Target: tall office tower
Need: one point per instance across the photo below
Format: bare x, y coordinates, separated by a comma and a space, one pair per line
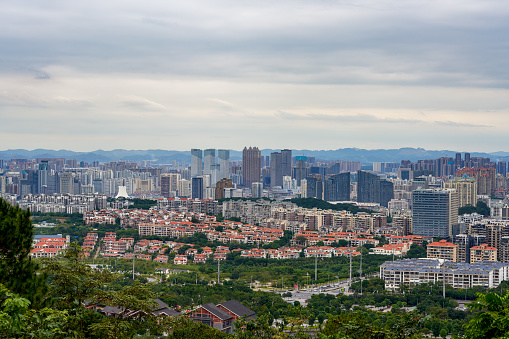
467, 160
314, 187
467, 190
197, 188
196, 162
220, 186
386, 192
209, 159
66, 183
267, 161
435, 212
457, 161
257, 190
276, 174
43, 174
370, 188
337, 187
286, 162
184, 188
300, 171
502, 168
215, 174
170, 184
223, 159
251, 161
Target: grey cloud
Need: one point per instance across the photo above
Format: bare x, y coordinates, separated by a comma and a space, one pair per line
367, 118
142, 104
323, 42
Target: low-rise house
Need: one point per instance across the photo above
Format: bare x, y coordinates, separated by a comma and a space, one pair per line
180, 260
161, 259
211, 315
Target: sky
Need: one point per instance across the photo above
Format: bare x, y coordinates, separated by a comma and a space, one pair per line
87, 75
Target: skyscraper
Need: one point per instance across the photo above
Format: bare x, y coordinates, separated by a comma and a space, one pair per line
337, 187
251, 161
370, 188
276, 174
314, 187
300, 170
435, 212
209, 159
286, 162
467, 190
502, 168
223, 159
170, 184
197, 188
196, 162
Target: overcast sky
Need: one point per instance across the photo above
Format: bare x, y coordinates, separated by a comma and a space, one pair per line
87, 75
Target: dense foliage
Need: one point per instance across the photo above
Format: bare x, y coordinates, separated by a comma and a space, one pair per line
480, 208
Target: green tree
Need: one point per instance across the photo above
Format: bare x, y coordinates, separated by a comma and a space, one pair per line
138, 298
72, 283
18, 321
492, 320
18, 272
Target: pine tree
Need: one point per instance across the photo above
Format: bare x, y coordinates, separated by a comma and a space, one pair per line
18, 272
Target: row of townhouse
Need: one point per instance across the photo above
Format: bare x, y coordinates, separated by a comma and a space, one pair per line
49, 246
90, 241
316, 219
205, 206
134, 217
329, 252
280, 253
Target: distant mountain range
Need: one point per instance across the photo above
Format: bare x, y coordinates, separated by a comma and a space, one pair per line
167, 156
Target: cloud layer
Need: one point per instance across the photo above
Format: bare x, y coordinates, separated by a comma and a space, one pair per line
300, 74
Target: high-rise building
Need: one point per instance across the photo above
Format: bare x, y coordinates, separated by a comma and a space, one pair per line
435, 212
196, 162
337, 187
300, 170
286, 162
220, 186
170, 184
370, 188
485, 178
197, 188
502, 168
223, 159
251, 162
276, 173
303, 188
215, 174
66, 183
209, 159
257, 189
43, 174
467, 190
314, 187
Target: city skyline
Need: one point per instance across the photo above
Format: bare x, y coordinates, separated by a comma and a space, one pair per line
300, 75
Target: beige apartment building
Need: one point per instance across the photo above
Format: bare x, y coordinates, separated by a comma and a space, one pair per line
483, 252
443, 250
466, 188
